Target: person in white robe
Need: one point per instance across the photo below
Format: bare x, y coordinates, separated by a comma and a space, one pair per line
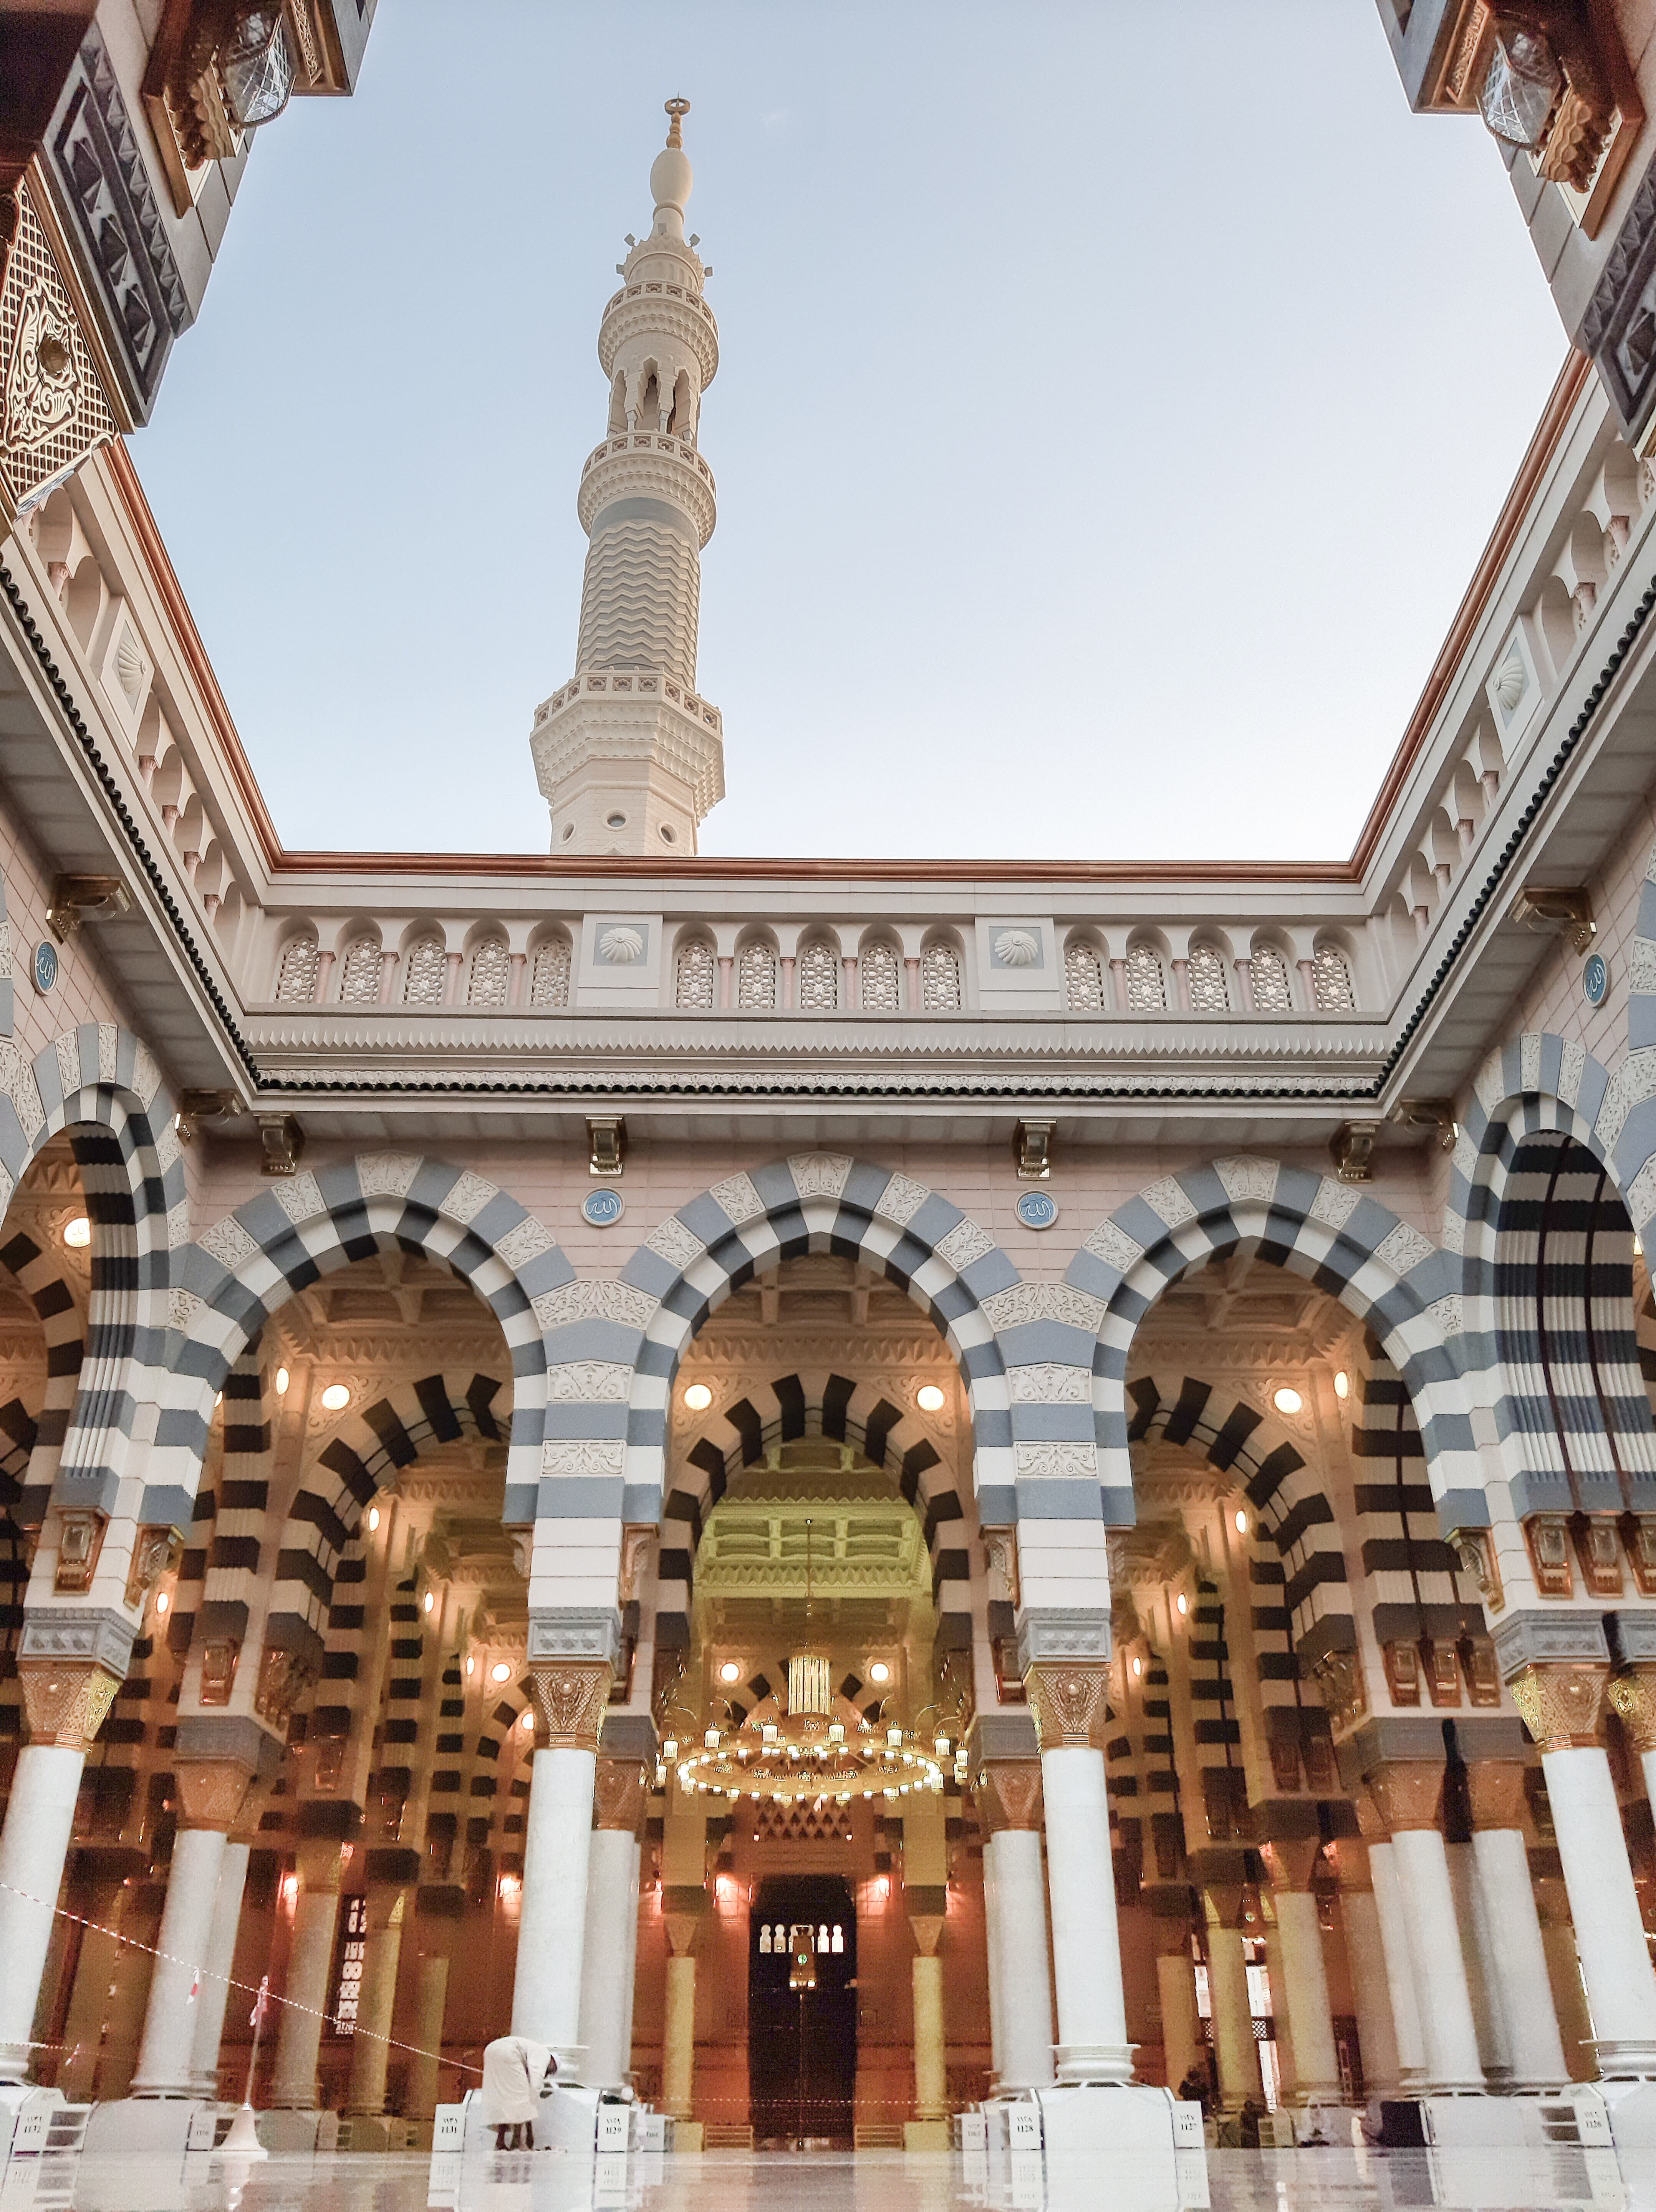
516, 2071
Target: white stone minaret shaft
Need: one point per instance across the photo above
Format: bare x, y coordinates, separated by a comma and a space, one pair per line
628, 757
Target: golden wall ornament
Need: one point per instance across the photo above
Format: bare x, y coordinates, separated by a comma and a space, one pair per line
1633, 1700
1494, 1789
80, 1541
283, 1678
1475, 1549
66, 1701
1547, 1538
618, 1795
1070, 1701
1562, 1700
1009, 1795
1339, 1675
155, 1553
571, 1694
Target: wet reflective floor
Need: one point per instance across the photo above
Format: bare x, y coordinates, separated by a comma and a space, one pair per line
871, 2181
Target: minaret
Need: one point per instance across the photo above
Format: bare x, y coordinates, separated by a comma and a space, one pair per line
628, 757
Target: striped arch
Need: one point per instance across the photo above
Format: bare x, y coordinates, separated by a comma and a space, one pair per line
619, 1344
740, 1433
1553, 1158
40, 1276
249, 1264
364, 1454
1338, 1237
101, 1084
1290, 1504
1413, 1577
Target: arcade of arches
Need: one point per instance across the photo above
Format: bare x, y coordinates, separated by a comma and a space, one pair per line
322, 1764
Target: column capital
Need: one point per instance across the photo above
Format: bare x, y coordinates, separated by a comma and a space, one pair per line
212, 1792
1407, 1793
1009, 1795
65, 1701
1292, 1860
571, 1694
1562, 1701
1633, 1698
1495, 1787
618, 1795
1049, 1632
1069, 1698
562, 1631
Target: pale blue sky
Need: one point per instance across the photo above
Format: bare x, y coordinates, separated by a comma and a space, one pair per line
1114, 401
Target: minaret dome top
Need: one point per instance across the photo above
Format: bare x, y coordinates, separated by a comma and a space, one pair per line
670, 175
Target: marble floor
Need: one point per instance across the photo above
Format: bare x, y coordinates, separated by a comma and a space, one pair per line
872, 2181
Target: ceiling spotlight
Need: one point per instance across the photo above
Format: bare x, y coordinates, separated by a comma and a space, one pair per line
1138, 1664
1241, 1522
730, 1672
373, 1517
528, 1720
928, 1398
500, 1672
1342, 1385
162, 1601
431, 1602
879, 1672
470, 1666
77, 1233
699, 1397
335, 1396
1183, 1603
1287, 1400
283, 1379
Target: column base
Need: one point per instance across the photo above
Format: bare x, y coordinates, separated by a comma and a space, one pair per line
138, 2124
1082, 2065
15, 2063
1625, 2061
926, 2135
296, 2129
1506, 2121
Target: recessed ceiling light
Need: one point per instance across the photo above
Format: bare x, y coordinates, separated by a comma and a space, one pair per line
373, 1517
879, 1672
928, 1398
1183, 1602
528, 1719
500, 1672
1241, 1522
1287, 1400
162, 1601
1343, 1384
335, 1396
699, 1397
78, 1232
730, 1672
283, 1379
431, 1602
470, 1666
1138, 1664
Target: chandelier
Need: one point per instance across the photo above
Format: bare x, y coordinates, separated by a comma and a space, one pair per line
807, 1756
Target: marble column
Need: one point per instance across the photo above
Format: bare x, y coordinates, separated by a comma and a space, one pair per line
166, 2054
1182, 2045
102, 1899
1021, 1988
215, 1999
1408, 1794
992, 1948
611, 1916
679, 2025
1304, 1994
557, 1853
1069, 1696
1482, 1981
1562, 1703
430, 2003
383, 1958
64, 1701
310, 1961
1399, 1974
931, 2074
1365, 1947
1517, 1957
631, 1969
1236, 2054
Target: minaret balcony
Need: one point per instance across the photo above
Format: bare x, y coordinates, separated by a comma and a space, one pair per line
649, 465
670, 313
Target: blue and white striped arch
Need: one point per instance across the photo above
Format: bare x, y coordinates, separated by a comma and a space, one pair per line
1554, 1167
613, 1347
101, 1084
304, 1227
1334, 1235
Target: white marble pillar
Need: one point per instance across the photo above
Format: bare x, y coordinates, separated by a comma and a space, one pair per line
371, 2055
1026, 2049
1399, 1974
166, 2054
992, 1947
1181, 2024
1519, 1955
1483, 1978
1093, 2044
1438, 1970
931, 2072
1371, 1987
1609, 1932
430, 2003
1236, 2053
33, 1845
557, 1851
310, 1960
606, 1987
679, 2035
1305, 1995
632, 1987
215, 1999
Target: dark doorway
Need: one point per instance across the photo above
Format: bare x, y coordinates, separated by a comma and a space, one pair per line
802, 2010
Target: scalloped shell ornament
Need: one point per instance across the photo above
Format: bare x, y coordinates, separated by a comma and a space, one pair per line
1018, 948
620, 947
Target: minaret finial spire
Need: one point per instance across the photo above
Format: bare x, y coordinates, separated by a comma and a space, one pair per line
678, 108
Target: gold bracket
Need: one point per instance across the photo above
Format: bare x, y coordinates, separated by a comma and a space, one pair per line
1032, 1147
1557, 912
607, 1144
76, 899
1351, 1148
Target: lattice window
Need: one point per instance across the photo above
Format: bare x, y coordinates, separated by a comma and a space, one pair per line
1147, 980
491, 973
295, 979
693, 983
425, 973
359, 976
882, 979
940, 979
756, 975
549, 977
1211, 989
1331, 981
1083, 968
818, 977
1273, 993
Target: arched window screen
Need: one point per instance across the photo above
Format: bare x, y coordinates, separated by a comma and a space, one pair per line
1211, 989
1332, 980
425, 973
359, 976
939, 979
818, 977
882, 979
491, 973
694, 974
295, 979
1272, 991
1146, 982
756, 976
1083, 968
549, 975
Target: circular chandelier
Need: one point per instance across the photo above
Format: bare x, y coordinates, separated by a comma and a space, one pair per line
807, 1756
